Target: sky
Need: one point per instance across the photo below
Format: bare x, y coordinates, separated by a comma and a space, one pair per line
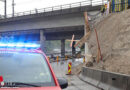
26, 5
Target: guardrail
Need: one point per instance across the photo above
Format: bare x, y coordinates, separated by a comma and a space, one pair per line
55, 8
105, 80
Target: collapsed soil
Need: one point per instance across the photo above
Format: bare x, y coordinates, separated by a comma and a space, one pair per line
114, 38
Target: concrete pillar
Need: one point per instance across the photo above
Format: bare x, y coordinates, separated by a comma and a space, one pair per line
73, 49
87, 52
63, 48
42, 40
86, 45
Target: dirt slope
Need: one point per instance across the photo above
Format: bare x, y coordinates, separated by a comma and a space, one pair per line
114, 36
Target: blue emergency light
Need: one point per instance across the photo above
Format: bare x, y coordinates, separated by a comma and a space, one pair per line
19, 45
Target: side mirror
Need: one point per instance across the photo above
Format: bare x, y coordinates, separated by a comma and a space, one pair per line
63, 83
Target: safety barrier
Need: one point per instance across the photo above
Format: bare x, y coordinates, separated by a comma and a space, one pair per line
105, 80
66, 57
69, 68
58, 59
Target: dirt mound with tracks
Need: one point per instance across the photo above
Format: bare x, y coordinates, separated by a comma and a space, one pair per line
114, 37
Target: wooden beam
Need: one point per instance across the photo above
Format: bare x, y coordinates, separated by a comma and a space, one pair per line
87, 32
72, 41
86, 22
98, 45
82, 40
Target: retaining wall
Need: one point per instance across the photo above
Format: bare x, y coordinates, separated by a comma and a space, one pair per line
105, 80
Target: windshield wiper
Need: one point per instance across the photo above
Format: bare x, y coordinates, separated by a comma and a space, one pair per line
27, 84
17, 84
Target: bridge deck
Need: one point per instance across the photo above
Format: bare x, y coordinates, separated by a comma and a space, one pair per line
89, 5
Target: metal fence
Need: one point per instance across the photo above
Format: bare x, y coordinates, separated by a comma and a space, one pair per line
55, 8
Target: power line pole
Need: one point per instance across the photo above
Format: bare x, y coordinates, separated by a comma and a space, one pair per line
13, 4
5, 8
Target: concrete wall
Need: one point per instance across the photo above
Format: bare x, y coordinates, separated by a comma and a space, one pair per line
105, 80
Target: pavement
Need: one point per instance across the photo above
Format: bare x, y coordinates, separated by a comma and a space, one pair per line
60, 70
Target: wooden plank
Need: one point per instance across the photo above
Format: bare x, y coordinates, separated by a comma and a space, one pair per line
82, 40
72, 41
87, 32
86, 22
98, 45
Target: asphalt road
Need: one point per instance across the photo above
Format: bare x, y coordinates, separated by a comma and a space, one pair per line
75, 83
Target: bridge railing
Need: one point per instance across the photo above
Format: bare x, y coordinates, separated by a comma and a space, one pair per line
60, 7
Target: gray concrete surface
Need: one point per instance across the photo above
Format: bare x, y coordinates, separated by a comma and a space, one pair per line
105, 80
66, 20
75, 83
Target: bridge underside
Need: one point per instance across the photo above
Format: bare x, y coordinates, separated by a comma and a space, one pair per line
49, 33
64, 33
40, 36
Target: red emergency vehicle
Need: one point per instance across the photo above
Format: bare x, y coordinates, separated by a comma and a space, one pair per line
23, 67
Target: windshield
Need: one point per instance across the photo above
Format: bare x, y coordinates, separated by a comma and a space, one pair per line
29, 68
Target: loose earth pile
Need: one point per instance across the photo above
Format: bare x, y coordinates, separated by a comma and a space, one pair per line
114, 37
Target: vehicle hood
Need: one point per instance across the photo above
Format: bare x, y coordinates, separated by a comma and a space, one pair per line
32, 88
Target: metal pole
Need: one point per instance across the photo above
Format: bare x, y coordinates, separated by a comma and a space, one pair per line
5, 8
13, 8
63, 48
102, 2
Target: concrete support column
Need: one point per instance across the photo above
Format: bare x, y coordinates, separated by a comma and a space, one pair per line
86, 46
42, 40
73, 49
62, 47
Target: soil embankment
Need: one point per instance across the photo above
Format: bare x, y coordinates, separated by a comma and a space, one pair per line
114, 37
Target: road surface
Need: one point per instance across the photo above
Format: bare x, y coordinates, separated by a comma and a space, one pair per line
75, 83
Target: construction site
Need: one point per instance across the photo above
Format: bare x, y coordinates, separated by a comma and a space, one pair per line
107, 39
86, 46
107, 48
113, 38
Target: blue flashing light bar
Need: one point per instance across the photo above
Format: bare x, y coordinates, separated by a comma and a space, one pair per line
19, 45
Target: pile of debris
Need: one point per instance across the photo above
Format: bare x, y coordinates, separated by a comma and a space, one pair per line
114, 38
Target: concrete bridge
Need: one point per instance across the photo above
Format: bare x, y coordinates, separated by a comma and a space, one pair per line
53, 23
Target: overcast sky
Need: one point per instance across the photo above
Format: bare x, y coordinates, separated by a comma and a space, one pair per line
26, 5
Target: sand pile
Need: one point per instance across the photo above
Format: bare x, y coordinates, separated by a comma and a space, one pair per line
114, 36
